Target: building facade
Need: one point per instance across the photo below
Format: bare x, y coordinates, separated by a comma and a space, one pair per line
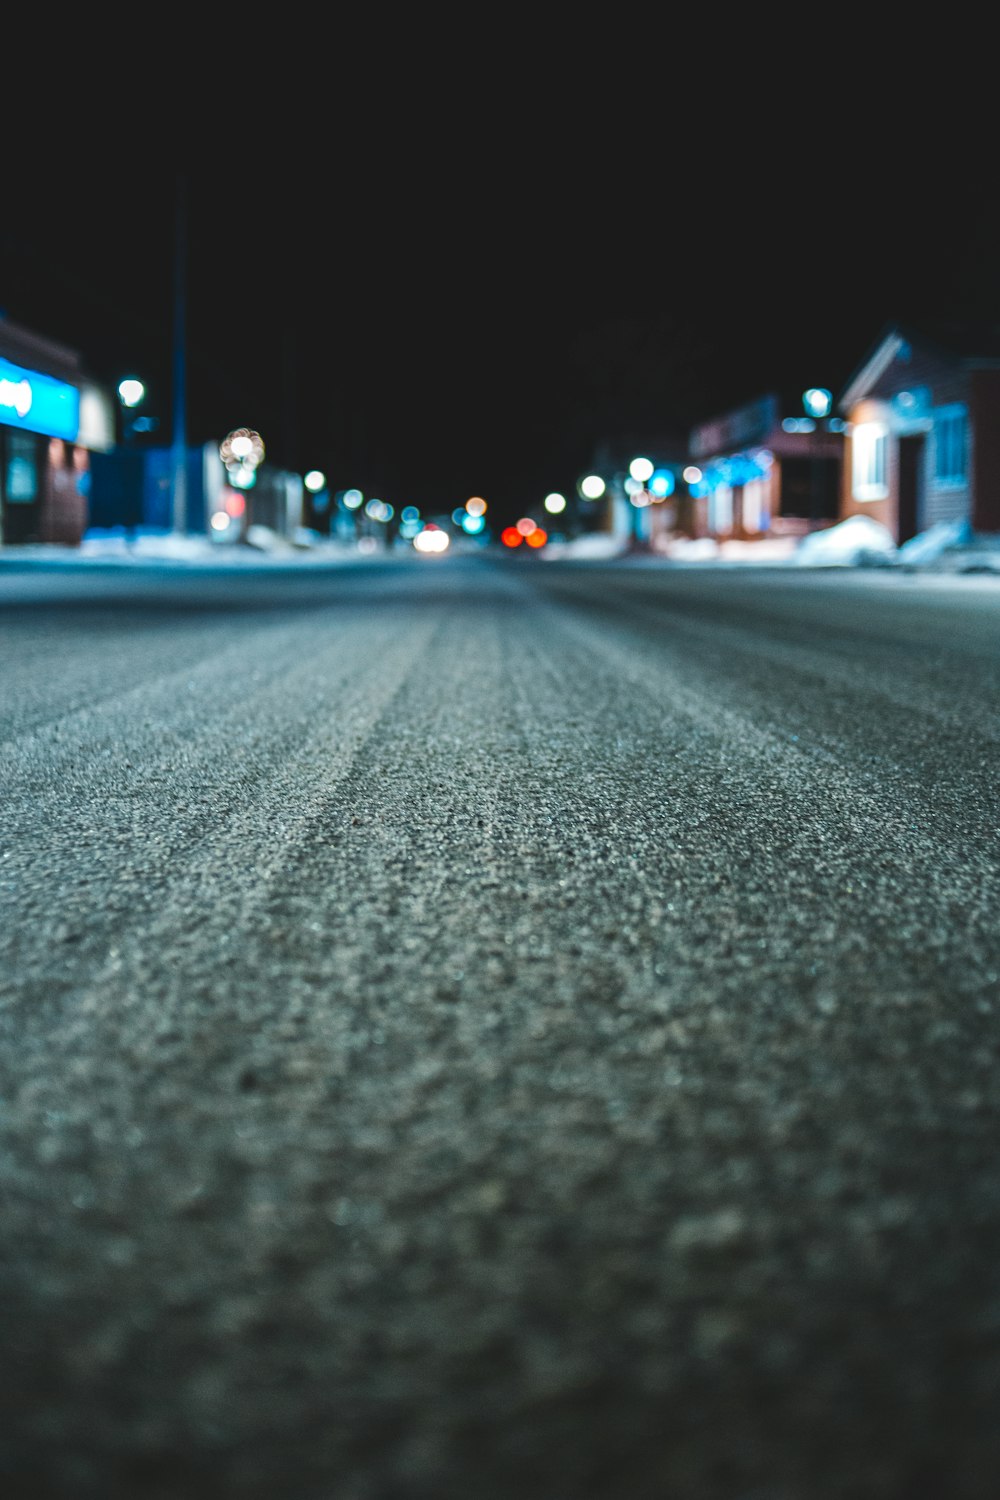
642, 503
923, 431
52, 418
761, 470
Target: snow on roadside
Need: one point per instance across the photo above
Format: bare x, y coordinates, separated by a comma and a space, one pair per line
857, 542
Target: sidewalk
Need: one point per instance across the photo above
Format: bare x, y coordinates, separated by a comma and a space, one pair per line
856, 543
155, 549
949, 548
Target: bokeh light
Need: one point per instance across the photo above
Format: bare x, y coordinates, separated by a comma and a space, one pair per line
592, 487
431, 540
243, 476
244, 446
817, 401
130, 391
526, 525
476, 506
511, 537
554, 503
640, 469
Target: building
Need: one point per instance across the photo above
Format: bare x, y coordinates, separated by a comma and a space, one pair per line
766, 469
640, 502
131, 490
52, 418
923, 436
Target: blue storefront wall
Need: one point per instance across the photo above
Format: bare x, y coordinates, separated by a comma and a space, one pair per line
135, 488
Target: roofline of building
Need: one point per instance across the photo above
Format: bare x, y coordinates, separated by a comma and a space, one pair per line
23, 344
886, 347
878, 359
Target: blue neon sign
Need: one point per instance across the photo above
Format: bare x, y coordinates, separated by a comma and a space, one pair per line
38, 403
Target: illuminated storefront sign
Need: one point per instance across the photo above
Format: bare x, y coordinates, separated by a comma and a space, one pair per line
38, 403
737, 429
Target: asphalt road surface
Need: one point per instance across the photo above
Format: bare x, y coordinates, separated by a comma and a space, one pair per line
499, 1031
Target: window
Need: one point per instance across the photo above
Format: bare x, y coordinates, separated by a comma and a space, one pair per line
720, 510
755, 516
950, 447
870, 442
810, 488
22, 468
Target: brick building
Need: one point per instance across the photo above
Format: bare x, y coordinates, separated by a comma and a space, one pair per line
923, 430
51, 419
766, 469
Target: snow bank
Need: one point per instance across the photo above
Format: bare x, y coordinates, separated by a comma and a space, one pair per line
857, 542
693, 549
115, 542
929, 545
597, 544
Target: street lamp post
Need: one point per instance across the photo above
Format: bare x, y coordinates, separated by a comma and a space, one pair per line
591, 488
131, 393
319, 498
640, 471
555, 503
817, 402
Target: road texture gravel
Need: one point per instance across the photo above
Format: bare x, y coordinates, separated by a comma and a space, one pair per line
474, 1030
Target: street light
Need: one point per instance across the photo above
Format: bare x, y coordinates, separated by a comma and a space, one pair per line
131, 393
636, 495
319, 497
817, 401
587, 514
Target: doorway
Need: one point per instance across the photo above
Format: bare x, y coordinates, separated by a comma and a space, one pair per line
911, 468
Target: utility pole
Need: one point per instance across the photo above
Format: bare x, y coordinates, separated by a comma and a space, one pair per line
179, 450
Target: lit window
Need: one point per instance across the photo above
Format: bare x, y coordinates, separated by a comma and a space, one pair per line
950, 447
720, 510
870, 444
755, 505
22, 468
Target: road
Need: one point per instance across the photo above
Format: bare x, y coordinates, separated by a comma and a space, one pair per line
489, 1029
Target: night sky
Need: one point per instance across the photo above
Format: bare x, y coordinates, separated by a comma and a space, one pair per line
437, 311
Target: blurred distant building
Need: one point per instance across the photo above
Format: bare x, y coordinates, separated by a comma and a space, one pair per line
639, 510
131, 490
53, 418
768, 468
923, 438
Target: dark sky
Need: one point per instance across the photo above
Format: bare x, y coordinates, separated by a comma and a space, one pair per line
472, 300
